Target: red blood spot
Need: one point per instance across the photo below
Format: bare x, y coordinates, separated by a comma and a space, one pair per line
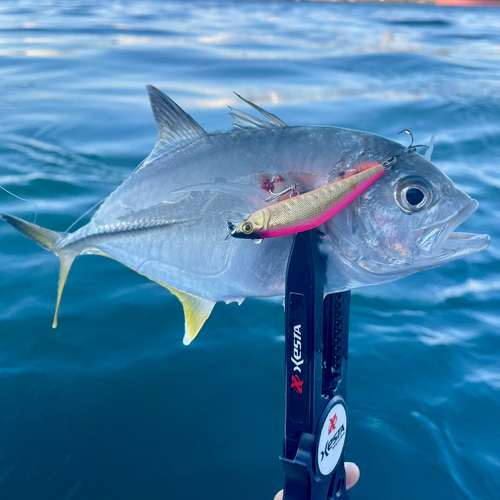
267, 184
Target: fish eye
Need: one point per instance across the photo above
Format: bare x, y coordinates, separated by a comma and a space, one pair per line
414, 194
247, 228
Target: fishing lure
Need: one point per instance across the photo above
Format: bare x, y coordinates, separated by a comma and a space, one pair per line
305, 211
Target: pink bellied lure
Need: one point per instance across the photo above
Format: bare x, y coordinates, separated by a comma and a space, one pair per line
305, 211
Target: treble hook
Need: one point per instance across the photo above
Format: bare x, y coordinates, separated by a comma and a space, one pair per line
411, 147
292, 190
387, 164
410, 134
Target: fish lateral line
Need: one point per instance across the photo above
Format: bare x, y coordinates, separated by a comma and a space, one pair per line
120, 228
197, 309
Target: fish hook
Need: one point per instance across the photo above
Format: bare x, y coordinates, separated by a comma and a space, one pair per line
411, 147
292, 190
231, 229
387, 164
405, 130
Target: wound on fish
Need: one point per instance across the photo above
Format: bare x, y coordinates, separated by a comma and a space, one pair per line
268, 182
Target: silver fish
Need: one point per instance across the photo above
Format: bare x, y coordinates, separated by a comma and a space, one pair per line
168, 220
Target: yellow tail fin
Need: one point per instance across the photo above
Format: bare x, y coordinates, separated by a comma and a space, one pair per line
51, 240
65, 262
196, 309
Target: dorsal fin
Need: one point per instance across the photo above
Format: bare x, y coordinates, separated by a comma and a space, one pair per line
175, 127
430, 149
244, 121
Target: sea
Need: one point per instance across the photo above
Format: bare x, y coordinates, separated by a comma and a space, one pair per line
111, 405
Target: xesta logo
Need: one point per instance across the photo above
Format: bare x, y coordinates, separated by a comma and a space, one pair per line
297, 384
333, 421
297, 349
332, 443
297, 359
331, 439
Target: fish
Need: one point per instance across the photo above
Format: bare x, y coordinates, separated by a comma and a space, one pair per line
168, 220
304, 211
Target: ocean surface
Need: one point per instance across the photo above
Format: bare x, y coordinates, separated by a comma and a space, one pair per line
111, 405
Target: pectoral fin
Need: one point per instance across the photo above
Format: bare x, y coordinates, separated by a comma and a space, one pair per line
196, 311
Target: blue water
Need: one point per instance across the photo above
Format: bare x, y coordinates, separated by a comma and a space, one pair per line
111, 405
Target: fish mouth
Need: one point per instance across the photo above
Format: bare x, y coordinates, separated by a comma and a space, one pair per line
453, 245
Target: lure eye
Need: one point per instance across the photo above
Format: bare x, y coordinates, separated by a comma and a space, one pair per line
414, 194
247, 228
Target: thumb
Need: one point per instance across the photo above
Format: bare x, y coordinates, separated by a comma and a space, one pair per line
351, 478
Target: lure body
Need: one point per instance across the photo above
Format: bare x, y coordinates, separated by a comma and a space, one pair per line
306, 211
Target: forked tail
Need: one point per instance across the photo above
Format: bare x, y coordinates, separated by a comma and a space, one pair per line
196, 308
51, 240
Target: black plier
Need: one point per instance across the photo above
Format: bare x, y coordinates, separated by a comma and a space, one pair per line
316, 337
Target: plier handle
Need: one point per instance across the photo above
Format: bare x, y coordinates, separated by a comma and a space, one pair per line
316, 338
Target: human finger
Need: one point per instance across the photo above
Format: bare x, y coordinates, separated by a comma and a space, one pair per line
351, 478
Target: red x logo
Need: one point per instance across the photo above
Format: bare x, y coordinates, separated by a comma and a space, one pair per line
297, 384
333, 421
